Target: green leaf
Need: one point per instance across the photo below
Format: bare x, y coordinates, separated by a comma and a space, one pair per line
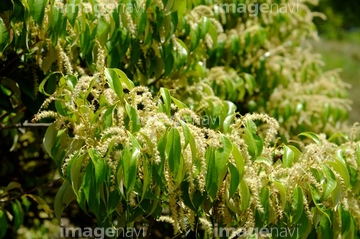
37, 10
325, 227
75, 173
3, 223
345, 218
239, 160
297, 204
263, 160
49, 138
296, 152
340, 167
108, 117
244, 195
211, 172
13, 185
311, 136
282, 191
129, 162
330, 182
114, 82
124, 79
316, 198
254, 142
102, 30
288, 157
99, 166
43, 82
4, 35
179, 104
18, 213
72, 10
167, 99
265, 202
234, 179
62, 199
173, 150
134, 118
222, 157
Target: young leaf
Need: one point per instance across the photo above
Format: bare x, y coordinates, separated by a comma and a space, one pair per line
288, 157
114, 82
311, 136
330, 182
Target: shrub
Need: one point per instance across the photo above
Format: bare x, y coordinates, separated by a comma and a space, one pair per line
191, 138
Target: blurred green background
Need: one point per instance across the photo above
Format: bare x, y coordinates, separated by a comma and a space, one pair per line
339, 44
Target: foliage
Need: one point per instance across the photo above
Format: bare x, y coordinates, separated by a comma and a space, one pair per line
187, 140
340, 18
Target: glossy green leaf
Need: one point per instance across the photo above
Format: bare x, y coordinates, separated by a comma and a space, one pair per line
288, 157
173, 151
297, 204
330, 182
311, 136
167, 99
124, 79
316, 199
263, 160
340, 167
114, 82
239, 160
325, 227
